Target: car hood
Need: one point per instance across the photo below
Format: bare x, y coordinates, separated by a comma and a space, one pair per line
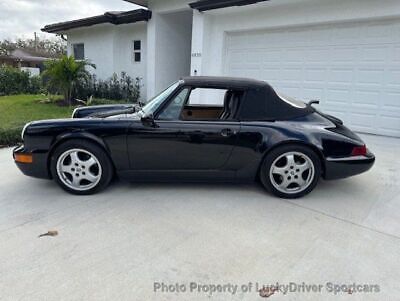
78, 123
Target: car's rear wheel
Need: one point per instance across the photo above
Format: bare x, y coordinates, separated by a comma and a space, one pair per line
81, 167
291, 171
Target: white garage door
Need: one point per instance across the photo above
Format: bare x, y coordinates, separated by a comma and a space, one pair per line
354, 68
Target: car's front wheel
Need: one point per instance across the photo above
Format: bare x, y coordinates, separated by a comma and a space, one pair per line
81, 167
291, 171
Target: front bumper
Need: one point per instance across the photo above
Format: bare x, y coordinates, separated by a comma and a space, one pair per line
339, 168
38, 168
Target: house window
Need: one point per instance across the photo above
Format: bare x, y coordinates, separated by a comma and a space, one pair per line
137, 51
79, 51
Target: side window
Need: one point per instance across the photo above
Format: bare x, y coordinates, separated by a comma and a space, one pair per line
79, 51
207, 97
137, 51
173, 110
205, 104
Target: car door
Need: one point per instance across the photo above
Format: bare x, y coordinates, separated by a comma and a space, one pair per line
182, 145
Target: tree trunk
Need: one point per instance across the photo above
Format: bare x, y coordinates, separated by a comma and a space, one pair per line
66, 99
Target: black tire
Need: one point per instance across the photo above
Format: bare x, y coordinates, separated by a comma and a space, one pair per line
107, 170
274, 155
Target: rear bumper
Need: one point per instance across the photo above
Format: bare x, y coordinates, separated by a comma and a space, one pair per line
339, 168
38, 168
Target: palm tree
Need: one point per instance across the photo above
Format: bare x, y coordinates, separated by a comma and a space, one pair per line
64, 73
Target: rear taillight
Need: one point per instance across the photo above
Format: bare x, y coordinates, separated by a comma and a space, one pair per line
359, 151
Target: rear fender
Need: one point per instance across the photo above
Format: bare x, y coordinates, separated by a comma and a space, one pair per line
296, 142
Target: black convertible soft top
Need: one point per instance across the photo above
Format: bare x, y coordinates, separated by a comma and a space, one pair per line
260, 102
222, 82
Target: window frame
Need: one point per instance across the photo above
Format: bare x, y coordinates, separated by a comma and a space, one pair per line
73, 50
137, 51
166, 103
169, 101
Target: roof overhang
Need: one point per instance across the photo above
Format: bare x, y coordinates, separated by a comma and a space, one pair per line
115, 18
204, 5
144, 3
24, 59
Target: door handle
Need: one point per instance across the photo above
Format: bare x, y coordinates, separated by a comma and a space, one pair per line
227, 132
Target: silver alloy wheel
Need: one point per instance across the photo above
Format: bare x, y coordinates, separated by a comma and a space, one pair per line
292, 172
79, 169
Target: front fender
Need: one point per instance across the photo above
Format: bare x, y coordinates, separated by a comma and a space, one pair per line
78, 135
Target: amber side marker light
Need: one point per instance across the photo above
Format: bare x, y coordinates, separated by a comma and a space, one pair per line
23, 158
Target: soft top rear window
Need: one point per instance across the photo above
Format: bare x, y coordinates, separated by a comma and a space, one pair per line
292, 101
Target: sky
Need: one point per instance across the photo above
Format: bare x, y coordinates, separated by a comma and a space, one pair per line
21, 18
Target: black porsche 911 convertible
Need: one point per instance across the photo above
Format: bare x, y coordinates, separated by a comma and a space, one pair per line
199, 129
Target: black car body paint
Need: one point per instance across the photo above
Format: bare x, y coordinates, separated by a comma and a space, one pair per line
225, 150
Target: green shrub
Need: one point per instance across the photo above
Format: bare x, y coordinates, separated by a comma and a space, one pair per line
115, 88
10, 136
14, 81
64, 74
35, 85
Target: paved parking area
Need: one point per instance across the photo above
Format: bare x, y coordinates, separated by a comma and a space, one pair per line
116, 245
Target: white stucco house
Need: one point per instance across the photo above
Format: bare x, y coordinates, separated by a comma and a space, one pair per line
344, 52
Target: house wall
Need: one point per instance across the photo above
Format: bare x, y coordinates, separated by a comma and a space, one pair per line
169, 35
173, 48
110, 48
99, 47
124, 35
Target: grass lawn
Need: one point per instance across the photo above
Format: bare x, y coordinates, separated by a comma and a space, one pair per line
17, 110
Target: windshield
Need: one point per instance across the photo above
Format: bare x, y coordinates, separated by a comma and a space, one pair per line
292, 101
153, 104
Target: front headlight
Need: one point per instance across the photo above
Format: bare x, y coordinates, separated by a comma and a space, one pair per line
24, 129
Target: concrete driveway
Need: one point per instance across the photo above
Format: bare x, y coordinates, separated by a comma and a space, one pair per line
116, 245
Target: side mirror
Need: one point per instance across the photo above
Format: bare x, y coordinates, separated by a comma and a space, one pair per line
148, 120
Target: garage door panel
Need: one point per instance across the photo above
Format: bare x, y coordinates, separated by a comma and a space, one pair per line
394, 54
312, 93
381, 32
271, 56
370, 76
270, 74
391, 100
340, 75
366, 98
343, 54
353, 68
294, 55
338, 95
343, 33
392, 77
316, 55
390, 124
374, 53
291, 74
361, 121
315, 74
